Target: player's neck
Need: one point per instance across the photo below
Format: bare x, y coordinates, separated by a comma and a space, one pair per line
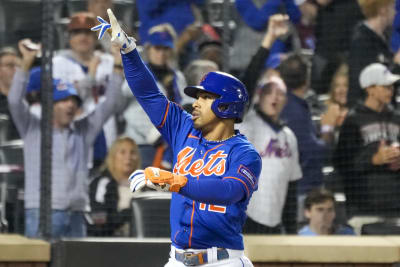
222, 131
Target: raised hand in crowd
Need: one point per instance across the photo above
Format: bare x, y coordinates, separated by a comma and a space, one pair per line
387, 155
331, 119
331, 116
28, 51
191, 32
277, 27
93, 64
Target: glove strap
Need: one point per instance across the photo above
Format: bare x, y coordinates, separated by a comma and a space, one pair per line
161, 177
179, 182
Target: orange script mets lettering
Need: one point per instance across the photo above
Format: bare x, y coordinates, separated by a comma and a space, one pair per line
211, 164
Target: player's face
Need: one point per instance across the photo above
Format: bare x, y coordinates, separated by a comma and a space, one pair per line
82, 41
272, 101
203, 117
321, 215
125, 158
65, 111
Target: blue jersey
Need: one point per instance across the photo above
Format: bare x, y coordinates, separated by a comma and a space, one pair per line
209, 210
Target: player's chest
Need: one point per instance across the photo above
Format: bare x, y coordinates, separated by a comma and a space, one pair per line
202, 160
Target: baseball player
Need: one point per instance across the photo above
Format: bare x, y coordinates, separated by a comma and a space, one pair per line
215, 168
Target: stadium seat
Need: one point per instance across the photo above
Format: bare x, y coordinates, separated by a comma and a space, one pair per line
150, 214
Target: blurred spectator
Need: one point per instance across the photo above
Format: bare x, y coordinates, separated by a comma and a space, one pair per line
298, 117
160, 56
199, 43
110, 195
368, 155
211, 50
178, 13
9, 61
336, 104
334, 28
305, 27
195, 71
33, 96
277, 146
277, 27
99, 8
320, 212
257, 74
89, 71
395, 42
250, 30
370, 43
161, 59
72, 138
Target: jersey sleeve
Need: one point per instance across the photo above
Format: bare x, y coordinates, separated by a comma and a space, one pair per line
245, 169
237, 184
167, 116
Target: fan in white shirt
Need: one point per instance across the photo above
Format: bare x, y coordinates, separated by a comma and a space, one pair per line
277, 146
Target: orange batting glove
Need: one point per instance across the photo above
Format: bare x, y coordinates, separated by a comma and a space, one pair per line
168, 181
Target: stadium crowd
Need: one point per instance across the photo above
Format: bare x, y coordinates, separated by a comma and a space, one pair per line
324, 111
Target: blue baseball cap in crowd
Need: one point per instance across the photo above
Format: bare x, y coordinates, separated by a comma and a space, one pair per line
61, 89
163, 38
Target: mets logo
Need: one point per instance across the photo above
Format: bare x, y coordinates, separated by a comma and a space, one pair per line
212, 163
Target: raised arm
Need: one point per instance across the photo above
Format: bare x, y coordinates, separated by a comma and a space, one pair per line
19, 108
139, 78
277, 26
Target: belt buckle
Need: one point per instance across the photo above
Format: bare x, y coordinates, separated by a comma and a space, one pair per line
186, 260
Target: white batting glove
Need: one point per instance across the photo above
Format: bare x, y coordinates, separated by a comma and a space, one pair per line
138, 181
118, 36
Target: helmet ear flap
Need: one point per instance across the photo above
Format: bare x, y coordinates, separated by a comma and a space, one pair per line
223, 107
223, 110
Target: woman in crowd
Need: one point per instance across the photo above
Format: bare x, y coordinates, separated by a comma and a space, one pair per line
110, 194
277, 146
336, 105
